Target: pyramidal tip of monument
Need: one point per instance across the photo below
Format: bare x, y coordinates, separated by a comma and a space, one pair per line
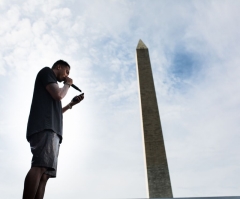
141, 45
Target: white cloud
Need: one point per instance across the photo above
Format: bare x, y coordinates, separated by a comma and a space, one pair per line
2, 68
39, 27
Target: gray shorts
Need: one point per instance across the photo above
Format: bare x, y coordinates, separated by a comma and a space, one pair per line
45, 148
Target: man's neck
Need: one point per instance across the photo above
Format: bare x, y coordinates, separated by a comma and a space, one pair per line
55, 72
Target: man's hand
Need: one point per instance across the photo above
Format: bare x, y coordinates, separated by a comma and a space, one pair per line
68, 81
77, 99
74, 101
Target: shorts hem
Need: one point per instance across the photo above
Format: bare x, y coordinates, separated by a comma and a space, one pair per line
39, 165
48, 169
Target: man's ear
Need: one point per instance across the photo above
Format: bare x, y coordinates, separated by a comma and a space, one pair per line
58, 66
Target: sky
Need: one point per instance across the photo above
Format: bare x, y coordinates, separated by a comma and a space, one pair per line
194, 52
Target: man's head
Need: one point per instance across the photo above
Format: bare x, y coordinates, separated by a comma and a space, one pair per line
61, 70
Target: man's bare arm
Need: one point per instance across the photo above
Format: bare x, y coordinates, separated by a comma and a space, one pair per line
65, 108
59, 93
56, 92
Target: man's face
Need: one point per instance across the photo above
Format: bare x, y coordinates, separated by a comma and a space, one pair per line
63, 71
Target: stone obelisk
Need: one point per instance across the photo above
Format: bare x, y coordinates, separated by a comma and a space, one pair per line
159, 184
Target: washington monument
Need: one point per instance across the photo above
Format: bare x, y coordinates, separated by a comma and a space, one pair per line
159, 184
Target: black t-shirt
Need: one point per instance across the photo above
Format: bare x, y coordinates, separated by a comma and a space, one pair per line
45, 113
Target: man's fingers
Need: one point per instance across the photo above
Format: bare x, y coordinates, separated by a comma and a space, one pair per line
68, 80
81, 97
78, 98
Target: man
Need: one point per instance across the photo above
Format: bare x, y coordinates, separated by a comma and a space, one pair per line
44, 129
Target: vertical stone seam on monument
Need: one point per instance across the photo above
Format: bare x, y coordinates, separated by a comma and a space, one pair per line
157, 168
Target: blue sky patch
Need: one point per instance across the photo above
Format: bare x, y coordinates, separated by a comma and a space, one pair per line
184, 66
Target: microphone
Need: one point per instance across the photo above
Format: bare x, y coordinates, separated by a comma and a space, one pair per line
75, 87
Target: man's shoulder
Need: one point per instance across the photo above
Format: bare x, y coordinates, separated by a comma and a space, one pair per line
44, 70
46, 76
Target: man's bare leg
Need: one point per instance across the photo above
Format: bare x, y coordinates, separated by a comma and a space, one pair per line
32, 182
41, 187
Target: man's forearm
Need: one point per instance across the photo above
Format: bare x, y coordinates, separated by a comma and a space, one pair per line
65, 108
63, 91
56, 92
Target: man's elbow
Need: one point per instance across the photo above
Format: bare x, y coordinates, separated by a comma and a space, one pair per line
57, 97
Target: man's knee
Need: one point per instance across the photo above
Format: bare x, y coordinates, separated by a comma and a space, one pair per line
44, 178
39, 170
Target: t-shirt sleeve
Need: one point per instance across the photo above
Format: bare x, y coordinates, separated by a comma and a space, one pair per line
47, 76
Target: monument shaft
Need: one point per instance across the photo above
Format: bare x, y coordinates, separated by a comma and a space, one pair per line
159, 183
